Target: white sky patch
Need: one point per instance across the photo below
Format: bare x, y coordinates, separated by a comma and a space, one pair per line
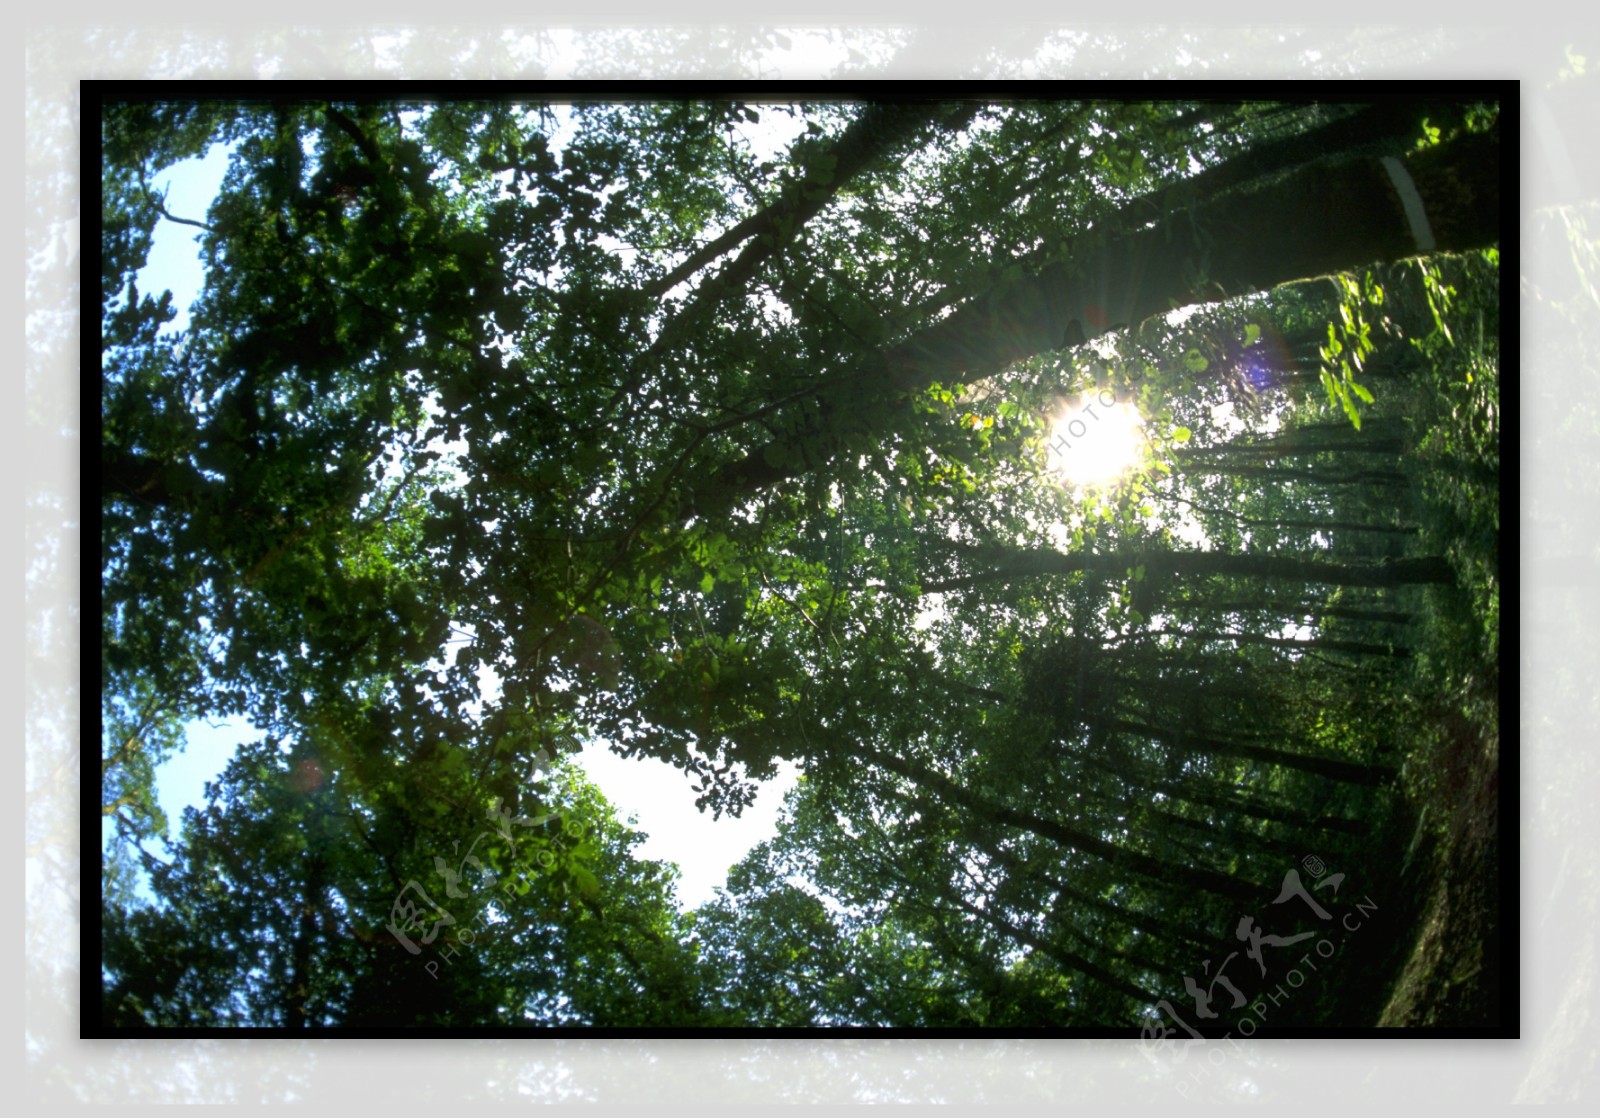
806, 52
1060, 535
1226, 420
174, 261
660, 800
1189, 530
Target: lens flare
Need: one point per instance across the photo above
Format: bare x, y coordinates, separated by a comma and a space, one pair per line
1092, 442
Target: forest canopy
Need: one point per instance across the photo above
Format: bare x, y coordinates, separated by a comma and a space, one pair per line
1096, 502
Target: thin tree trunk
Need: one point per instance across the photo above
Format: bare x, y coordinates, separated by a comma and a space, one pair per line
1329, 644
1146, 866
1191, 792
1389, 447
1349, 772
1282, 474
304, 942
1310, 610
879, 128
1023, 563
1061, 955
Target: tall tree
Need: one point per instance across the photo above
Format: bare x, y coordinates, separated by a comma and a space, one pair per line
718, 432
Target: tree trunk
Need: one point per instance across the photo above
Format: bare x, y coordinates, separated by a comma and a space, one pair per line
1278, 474
1322, 644
1328, 216
1352, 773
304, 942
1147, 866
149, 481
1193, 791
1070, 960
1020, 563
877, 131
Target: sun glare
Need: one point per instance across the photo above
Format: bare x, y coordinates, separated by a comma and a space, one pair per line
1093, 442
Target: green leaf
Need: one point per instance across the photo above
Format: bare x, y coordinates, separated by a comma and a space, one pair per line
1195, 361
588, 884
706, 583
1350, 409
1181, 434
1252, 333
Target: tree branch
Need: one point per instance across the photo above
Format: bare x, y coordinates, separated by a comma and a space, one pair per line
1323, 217
876, 131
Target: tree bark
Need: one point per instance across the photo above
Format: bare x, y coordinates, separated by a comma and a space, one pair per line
1327, 216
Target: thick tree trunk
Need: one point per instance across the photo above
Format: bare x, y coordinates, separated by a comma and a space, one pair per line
1327, 216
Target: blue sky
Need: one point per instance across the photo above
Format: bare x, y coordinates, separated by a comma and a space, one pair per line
655, 796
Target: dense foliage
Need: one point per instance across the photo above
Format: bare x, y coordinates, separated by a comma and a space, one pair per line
731, 434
